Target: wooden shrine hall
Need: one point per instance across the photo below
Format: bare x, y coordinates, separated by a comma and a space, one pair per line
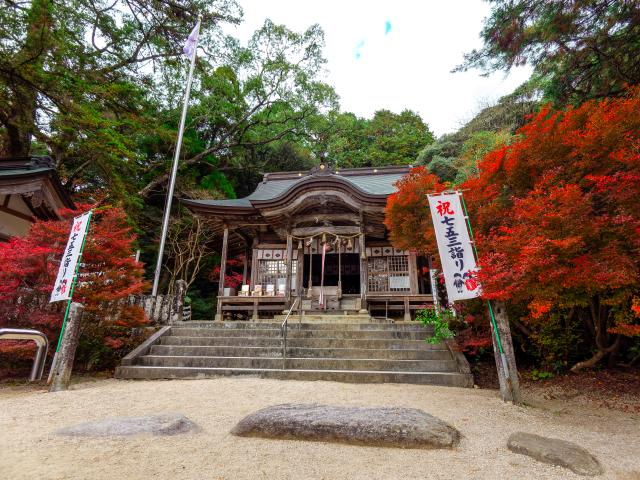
316, 241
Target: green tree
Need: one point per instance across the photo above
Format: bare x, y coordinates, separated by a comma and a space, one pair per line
580, 49
73, 74
396, 139
268, 92
475, 148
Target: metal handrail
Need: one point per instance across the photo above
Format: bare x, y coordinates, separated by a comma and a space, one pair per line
283, 331
41, 340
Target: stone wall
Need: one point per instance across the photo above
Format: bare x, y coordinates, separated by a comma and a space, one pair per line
163, 309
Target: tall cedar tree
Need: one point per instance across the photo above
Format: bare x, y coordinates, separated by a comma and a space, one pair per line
557, 220
580, 49
108, 275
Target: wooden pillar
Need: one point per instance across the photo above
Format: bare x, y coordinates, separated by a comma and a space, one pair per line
289, 254
245, 266
310, 284
255, 309
63, 360
254, 264
299, 275
223, 268
509, 384
364, 275
413, 273
407, 310
434, 283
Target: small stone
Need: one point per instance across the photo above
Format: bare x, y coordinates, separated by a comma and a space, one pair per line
164, 424
383, 426
556, 452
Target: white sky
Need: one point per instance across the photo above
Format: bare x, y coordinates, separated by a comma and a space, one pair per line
409, 67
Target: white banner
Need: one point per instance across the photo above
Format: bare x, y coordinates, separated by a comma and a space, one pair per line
456, 252
70, 257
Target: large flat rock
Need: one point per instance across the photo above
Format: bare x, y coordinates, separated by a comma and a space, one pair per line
164, 424
556, 452
384, 426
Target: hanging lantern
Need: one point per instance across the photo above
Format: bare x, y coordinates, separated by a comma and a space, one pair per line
299, 244
350, 244
324, 238
337, 240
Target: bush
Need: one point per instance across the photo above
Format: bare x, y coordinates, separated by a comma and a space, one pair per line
439, 321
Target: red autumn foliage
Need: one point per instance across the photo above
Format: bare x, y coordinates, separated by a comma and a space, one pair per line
407, 214
557, 220
232, 277
108, 275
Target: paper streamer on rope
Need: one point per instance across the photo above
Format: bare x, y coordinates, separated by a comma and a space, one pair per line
324, 252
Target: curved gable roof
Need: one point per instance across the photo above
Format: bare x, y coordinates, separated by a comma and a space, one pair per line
375, 182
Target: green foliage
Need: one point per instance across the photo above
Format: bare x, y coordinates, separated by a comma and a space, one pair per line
581, 49
454, 157
386, 139
541, 375
217, 182
202, 305
443, 168
396, 139
557, 342
439, 321
75, 77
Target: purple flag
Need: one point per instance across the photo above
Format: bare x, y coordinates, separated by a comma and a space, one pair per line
192, 41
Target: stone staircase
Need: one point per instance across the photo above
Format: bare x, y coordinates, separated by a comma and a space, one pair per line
325, 348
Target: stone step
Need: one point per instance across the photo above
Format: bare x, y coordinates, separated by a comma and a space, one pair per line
328, 342
300, 363
243, 325
242, 351
326, 318
452, 379
302, 333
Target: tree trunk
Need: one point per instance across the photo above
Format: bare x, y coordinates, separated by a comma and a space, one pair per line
509, 382
599, 355
63, 359
599, 317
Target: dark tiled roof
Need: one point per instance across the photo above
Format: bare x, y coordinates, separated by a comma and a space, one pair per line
25, 166
12, 169
378, 181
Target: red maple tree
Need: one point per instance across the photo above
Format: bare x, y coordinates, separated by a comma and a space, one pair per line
557, 220
407, 213
232, 277
108, 275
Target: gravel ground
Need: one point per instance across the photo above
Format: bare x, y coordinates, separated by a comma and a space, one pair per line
29, 450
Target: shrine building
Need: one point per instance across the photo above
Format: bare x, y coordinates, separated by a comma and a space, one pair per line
316, 241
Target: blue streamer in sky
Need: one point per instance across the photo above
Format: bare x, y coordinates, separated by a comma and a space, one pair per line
357, 51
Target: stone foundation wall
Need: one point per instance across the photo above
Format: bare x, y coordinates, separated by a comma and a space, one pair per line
163, 309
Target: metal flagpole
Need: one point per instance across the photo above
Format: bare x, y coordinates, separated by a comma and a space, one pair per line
174, 171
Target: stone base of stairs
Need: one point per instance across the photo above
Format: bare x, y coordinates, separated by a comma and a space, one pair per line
447, 379
364, 352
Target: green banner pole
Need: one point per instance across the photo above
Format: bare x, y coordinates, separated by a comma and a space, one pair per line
72, 289
74, 281
491, 315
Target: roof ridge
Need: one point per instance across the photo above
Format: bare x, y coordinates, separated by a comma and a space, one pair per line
347, 172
